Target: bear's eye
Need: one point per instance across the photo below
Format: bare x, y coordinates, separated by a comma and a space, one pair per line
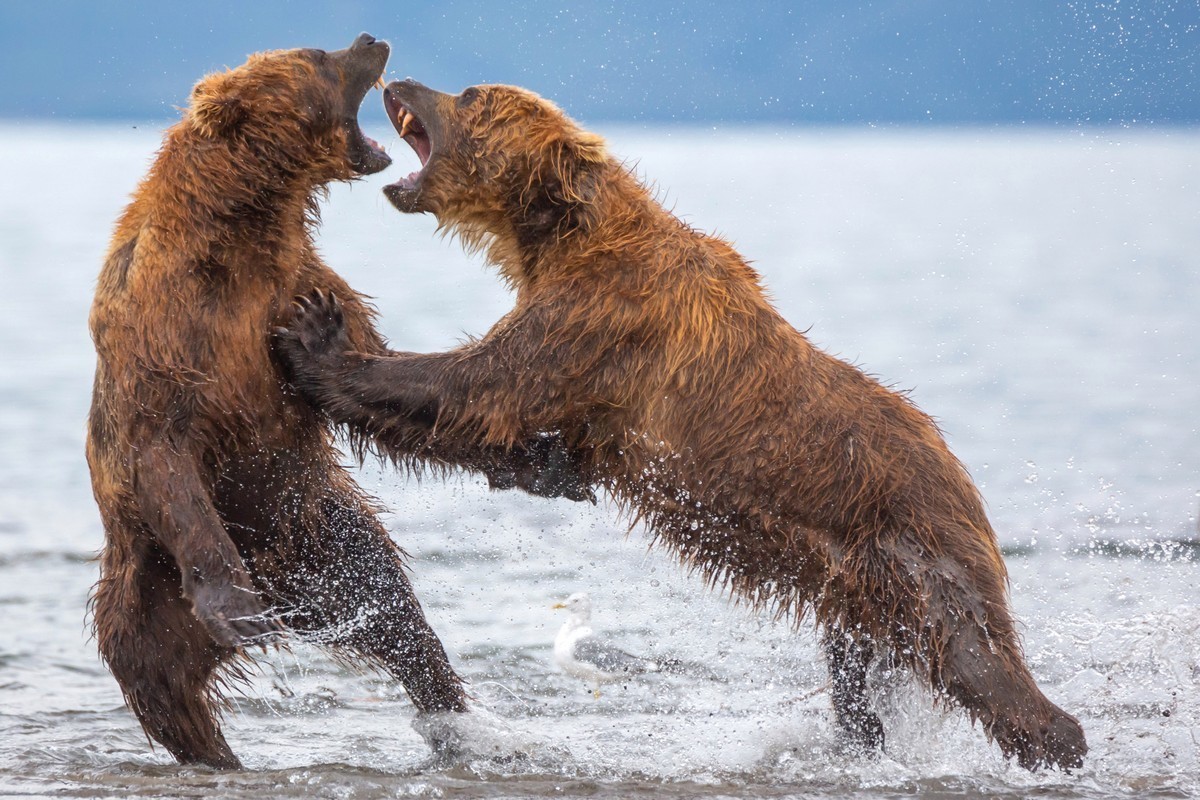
468, 96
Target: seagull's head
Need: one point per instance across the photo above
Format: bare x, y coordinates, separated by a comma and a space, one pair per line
579, 604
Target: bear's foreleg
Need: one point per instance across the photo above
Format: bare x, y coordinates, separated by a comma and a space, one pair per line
178, 509
452, 409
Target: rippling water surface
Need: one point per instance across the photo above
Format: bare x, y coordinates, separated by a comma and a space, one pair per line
1038, 291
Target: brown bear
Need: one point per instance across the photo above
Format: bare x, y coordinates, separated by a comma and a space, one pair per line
225, 508
780, 472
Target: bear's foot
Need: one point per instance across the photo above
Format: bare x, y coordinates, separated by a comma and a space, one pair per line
1052, 739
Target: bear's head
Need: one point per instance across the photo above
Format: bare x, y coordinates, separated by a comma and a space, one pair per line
296, 109
495, 160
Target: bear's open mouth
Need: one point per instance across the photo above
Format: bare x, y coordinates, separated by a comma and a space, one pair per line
361, 66
375, 148
412, 130
367, 156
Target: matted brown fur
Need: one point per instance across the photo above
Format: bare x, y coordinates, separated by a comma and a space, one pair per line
225, 508
774, 469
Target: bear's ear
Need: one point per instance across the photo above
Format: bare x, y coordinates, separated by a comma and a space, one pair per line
580, 151
589, 147
217, 105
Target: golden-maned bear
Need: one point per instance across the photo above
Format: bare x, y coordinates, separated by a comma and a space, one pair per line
779, 471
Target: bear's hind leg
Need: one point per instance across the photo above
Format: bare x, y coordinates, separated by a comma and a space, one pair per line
952, 625
346, 588
161, 655
849, 657
986, 673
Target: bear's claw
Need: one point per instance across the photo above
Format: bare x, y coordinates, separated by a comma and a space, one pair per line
319, 323
314, 337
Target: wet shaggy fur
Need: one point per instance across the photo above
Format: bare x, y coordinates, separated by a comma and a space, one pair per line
227, 515
770, 467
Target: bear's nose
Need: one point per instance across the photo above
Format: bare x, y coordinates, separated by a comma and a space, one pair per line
363, 40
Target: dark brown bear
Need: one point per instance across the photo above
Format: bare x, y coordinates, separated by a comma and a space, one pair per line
781, 472
224, 505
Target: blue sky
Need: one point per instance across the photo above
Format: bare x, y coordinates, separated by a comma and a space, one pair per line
1072, 62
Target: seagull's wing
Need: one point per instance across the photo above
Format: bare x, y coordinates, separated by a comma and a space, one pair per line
608, 657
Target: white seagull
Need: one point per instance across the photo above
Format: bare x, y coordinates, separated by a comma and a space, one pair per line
578, 651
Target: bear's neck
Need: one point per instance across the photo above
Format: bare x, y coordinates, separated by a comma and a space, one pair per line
620, 215
234, 206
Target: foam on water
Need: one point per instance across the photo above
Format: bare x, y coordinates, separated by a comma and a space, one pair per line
482, 737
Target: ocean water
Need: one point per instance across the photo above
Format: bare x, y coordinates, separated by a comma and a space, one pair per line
1036, 290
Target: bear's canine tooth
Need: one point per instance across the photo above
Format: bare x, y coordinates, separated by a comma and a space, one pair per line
405, 123
379, 84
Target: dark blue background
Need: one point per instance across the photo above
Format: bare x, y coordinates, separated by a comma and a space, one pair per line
889, 61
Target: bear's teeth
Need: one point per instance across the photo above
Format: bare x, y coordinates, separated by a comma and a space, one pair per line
405, 123
379, 84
